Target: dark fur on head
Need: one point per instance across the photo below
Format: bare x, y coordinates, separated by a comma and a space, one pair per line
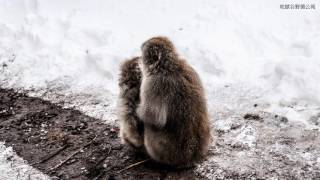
130, 75
157, 53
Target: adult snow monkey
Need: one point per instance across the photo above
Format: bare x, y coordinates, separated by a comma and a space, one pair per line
131, 128
172, 106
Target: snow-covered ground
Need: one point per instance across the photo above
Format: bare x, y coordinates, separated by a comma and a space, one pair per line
245, 52
13, 167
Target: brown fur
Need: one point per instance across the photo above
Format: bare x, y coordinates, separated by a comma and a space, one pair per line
172, 107
131, 128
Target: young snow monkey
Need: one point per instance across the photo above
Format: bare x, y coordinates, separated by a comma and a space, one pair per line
172, 106
131, 128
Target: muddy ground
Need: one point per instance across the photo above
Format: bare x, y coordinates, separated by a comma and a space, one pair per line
66, 144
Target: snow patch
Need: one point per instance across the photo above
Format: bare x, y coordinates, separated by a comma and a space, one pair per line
13, 167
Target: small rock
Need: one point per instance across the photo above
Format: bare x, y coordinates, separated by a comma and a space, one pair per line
235, 126
284, 119
252, 117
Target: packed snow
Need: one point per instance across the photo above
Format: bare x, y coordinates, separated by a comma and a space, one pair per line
245, 52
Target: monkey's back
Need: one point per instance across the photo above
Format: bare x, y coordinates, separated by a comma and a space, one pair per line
129, 83
131, 128
186, 134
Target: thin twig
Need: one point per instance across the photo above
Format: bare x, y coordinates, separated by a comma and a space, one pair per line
75, 153
52, 155
64, 161
133, 165
100, 161
102, 173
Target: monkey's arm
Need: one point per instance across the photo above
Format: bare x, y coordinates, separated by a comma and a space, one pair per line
155, 93
153, 113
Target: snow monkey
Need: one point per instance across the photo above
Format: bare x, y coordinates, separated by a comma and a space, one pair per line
172, 106
131, 128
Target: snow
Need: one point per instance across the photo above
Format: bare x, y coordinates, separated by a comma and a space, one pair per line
13, 167
245, 52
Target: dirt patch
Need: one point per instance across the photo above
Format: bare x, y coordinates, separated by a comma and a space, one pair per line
66, 144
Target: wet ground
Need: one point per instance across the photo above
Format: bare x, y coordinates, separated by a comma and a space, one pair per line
67, 144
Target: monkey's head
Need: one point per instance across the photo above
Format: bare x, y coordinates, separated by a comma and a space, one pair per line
130, 75
158, 50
